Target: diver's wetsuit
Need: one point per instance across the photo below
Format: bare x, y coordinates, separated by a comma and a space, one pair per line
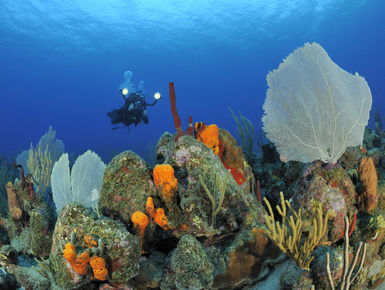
132, 112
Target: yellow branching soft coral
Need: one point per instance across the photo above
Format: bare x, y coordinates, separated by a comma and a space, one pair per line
287, 234
165, 180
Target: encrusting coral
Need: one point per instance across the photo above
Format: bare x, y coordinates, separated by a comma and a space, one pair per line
368, 177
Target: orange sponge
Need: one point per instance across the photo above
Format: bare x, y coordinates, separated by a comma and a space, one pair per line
90, 241
368, 177
209, 135
165, 179
78, 263
140, 221
98, 266
69, 252
161, 219
150, 206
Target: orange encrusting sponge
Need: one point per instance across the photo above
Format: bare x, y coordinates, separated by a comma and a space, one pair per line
98, 266
160, 219
368, 177
89, 240
140, 221
209, 135
165, 179
78, 263
150, 207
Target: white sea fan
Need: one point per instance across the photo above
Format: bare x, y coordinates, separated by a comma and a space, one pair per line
83, 185
313, 108
61, 182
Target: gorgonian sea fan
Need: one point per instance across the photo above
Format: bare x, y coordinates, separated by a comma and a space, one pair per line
313, 108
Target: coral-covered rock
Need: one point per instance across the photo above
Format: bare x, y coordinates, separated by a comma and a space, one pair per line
189, 268
121, 249
350, 159
30, 278
193, 210
234, 159
151, 271
165, 149
31, 221
244, 260
331, 188
295, 278
42, 225
126, 185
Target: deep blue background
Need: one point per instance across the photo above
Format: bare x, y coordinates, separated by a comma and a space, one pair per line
61, 62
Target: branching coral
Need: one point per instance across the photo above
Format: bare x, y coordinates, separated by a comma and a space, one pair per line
40, 165
287, 234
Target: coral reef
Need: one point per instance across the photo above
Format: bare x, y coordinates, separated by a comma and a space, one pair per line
127, 184
195, 220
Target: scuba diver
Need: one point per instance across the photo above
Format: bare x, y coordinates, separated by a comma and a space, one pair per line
134, 108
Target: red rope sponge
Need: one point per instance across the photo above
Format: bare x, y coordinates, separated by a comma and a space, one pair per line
174, 112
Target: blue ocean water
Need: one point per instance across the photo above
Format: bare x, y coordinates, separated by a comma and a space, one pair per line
61, 62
